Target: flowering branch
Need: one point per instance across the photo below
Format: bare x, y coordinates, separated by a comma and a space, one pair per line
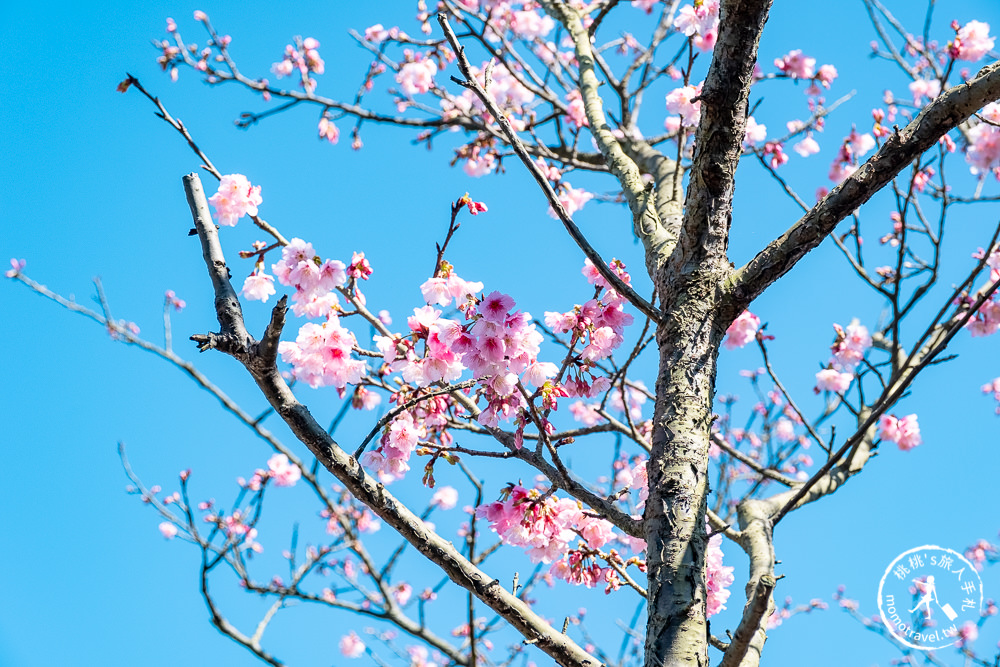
235, 341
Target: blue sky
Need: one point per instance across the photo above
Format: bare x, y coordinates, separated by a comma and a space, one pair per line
92, 188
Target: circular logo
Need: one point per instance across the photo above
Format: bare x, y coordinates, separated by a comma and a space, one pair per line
927, 594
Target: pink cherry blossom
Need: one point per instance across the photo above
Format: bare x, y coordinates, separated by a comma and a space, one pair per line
258, 286
528, 24
830, 379
16, 266
924, 89
321, 355
168, 530
984, 142
680, 101
283, 473
645, 5
575, 111
826, 75
445, 498
755, 133
784, 430
851, 345
699, 21
377, 33
777, 153
480, 164
742, 330
795, 65
416, 77
396, 446
234, 199
718, 577
806, 147
585, 414
905, 432
360, 267
351, 645
993, 388
972, 41
328, 131
572, 199
544, 528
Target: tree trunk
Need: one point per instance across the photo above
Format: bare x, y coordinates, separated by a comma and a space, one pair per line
688, 340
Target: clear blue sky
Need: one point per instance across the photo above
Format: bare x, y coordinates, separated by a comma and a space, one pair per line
92, 186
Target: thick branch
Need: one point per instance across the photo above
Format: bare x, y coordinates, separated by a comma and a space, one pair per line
656, 240
227, 304
757, 541
719, 141
939, 117
350, 473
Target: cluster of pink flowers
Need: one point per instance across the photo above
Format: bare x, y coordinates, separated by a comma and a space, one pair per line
600, 323
304, 59
529, 24
416, 76
681, 101
313, 279
321, 355
280, 471
848, 350
987, 318
16, 266
699, 21
796, 65
378, 33
448, 285
234, 199
479, 162
980, 553
445, 498
396, 445
258, 286
718, 577
603, 319
235, 528
742, 330
351, 645
924, 89
993, 388
848, 157
972, 41
636, 479
575, 112
572, 199
905, 432
755, 132
543, 524
328, 130
983, 154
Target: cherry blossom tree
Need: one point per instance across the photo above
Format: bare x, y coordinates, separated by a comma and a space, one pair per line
555, 89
